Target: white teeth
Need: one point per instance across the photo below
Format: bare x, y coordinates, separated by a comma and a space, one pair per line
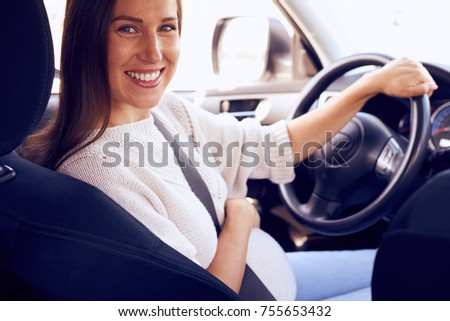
144, 77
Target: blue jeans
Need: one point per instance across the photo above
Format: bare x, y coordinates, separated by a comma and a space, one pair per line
333, 275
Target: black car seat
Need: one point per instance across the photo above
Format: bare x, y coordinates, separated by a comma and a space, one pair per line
62, 239
413, 262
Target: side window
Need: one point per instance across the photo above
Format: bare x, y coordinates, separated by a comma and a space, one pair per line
55, 11
196, 69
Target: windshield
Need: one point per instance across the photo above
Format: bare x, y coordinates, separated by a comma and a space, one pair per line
418, 29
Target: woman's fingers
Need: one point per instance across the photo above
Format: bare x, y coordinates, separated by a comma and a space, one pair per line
243, 210
423, 89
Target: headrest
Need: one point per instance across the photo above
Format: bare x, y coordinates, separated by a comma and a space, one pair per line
27, 66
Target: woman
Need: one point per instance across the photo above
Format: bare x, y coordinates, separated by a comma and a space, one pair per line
117, 59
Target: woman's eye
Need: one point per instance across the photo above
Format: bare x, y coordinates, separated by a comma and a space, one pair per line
127, 29
168, 28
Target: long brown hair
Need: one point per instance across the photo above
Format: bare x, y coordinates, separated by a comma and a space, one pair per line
85, 94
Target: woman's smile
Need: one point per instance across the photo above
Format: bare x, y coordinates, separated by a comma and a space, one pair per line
145, 78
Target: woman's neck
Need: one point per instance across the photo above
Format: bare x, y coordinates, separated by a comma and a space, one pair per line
127, 116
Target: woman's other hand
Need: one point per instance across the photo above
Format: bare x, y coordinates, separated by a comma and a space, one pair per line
228, 264
241, 211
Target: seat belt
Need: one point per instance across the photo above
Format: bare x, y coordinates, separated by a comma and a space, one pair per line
252, 288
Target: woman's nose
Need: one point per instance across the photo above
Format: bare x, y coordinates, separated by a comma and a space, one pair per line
151, 50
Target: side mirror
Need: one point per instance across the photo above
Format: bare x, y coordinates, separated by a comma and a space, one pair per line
249, 48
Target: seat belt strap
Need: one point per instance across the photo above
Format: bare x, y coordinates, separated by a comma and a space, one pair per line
252, 288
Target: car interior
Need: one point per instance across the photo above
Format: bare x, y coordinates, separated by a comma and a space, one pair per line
63, 239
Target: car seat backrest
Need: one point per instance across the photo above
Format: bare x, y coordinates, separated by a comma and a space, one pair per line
61, 238
27, 66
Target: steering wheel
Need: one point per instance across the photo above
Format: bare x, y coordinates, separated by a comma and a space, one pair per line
358, 175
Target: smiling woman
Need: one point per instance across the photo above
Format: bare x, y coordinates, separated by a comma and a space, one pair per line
143, 51
137, 38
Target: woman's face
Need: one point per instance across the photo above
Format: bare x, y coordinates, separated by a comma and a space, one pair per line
143, 51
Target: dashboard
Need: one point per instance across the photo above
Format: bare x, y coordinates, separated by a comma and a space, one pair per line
440, 127
398, 119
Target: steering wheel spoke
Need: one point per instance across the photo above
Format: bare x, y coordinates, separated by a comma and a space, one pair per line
318, 208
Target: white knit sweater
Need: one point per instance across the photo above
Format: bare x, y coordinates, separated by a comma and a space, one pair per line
135, 166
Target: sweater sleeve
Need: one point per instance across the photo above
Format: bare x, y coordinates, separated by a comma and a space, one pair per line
128, 189
243, 149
